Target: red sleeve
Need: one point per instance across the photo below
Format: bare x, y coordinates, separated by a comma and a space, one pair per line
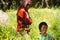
21, 13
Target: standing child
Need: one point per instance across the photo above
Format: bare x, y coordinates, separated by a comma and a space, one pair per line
23, 18
43, 29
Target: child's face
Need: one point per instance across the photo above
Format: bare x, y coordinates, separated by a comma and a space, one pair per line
44, 29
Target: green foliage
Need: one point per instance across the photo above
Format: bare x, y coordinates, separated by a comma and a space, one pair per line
50, 16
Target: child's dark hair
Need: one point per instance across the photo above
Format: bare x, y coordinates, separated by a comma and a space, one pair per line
42, 23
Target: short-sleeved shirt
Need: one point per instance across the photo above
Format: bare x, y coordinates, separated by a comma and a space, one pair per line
48, 37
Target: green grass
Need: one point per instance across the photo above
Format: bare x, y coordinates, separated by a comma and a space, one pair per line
50, 16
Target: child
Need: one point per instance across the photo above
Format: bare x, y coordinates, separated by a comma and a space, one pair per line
23, 18
43, 29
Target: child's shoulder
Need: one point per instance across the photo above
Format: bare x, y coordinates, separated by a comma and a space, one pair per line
49, 36
39, 36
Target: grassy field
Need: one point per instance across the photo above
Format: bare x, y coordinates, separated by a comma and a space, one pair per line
50, 16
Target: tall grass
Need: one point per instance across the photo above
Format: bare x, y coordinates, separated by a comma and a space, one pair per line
50, 16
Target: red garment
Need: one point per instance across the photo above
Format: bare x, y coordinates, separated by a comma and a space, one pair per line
22, 19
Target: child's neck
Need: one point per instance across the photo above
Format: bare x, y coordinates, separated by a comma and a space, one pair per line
45, 34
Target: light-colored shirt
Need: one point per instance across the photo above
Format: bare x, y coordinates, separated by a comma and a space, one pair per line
48, 37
